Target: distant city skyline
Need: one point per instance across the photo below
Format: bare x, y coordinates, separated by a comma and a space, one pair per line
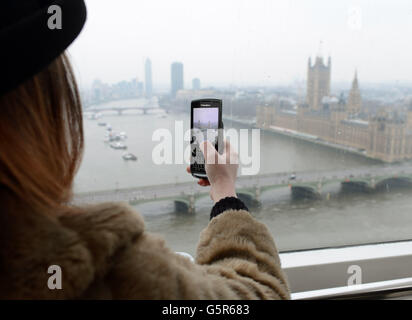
259, 42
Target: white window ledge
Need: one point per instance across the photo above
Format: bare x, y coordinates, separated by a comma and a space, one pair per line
329, 268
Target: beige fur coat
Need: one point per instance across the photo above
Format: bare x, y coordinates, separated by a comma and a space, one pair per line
104, 252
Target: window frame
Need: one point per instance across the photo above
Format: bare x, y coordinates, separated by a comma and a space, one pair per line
323, 273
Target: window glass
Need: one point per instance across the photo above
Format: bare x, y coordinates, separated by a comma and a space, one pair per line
318, 95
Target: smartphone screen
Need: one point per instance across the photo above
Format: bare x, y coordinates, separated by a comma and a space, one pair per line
206, 120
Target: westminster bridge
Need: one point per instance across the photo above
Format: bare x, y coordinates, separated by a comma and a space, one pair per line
301, 185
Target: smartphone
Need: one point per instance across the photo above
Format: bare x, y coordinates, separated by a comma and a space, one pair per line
206, 124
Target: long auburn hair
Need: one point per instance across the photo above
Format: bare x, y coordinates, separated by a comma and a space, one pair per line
41, 139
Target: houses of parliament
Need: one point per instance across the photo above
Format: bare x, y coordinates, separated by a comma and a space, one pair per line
340, 122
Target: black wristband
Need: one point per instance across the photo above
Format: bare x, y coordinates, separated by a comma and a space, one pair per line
228, 203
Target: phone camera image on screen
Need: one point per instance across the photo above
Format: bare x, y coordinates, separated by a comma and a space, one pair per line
206, 122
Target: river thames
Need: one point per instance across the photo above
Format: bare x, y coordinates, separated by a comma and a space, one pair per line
354, 219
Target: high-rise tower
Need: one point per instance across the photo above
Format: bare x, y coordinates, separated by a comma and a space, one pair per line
354, 99
176, 78
318, 82
196, 84
148, 78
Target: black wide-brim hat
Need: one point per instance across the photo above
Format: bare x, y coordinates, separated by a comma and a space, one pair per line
27, 44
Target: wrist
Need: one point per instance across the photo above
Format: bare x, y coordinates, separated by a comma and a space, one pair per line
222, 191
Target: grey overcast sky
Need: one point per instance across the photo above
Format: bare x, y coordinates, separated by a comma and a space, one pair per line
242, 42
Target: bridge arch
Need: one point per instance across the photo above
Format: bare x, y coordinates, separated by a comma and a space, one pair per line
393, 183
356, 186
300, 192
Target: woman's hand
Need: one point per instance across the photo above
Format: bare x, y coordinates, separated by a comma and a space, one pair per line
221, 171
